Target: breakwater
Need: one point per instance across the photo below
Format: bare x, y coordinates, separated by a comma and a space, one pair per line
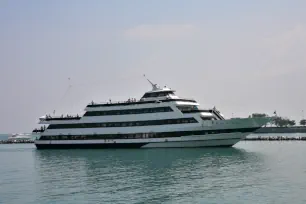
278, 138
16, 141
295, 129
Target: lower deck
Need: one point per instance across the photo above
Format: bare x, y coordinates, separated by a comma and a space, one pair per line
216, 140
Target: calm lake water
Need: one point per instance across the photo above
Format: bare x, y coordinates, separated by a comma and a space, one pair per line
251, 172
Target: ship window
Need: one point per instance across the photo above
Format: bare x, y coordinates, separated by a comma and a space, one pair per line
139, 135
185, 121
208, 118
158, 94
187, 107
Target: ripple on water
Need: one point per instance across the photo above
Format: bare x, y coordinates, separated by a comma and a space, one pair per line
253, 172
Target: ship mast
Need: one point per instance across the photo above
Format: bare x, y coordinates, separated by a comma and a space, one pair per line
154, 86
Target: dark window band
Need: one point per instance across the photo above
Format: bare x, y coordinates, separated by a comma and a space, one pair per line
124, 124
144, 135
215, 113
157, 94
129, 111
63, 118
196, 111
187, 107
208, 118
137, 103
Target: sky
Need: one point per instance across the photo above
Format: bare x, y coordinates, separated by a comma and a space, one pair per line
240, 56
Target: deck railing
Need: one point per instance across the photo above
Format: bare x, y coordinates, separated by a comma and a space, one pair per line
135, 101
68, 117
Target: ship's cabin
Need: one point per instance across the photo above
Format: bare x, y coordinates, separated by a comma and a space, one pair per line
159, 93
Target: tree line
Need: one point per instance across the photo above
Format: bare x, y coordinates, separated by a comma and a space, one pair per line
279, 121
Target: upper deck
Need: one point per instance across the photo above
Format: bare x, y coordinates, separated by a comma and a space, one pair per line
127, 103
156, 95
154, 99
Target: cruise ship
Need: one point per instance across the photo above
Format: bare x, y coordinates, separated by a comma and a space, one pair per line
159, 119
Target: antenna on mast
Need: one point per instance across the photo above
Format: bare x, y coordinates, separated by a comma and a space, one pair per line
154, 86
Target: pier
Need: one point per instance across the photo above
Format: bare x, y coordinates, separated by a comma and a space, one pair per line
275, 138
16, 141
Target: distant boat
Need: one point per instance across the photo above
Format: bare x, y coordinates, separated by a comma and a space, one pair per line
20, 136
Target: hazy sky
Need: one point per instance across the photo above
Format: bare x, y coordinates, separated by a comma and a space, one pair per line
240, 56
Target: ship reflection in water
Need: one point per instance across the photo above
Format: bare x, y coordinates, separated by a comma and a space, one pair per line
152, 175
257, 171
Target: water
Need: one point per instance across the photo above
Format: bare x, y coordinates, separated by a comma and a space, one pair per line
252, 172
3, 136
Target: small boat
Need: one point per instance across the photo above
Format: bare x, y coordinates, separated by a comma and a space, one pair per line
19, 136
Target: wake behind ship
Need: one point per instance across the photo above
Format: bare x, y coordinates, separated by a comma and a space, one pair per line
159, 119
